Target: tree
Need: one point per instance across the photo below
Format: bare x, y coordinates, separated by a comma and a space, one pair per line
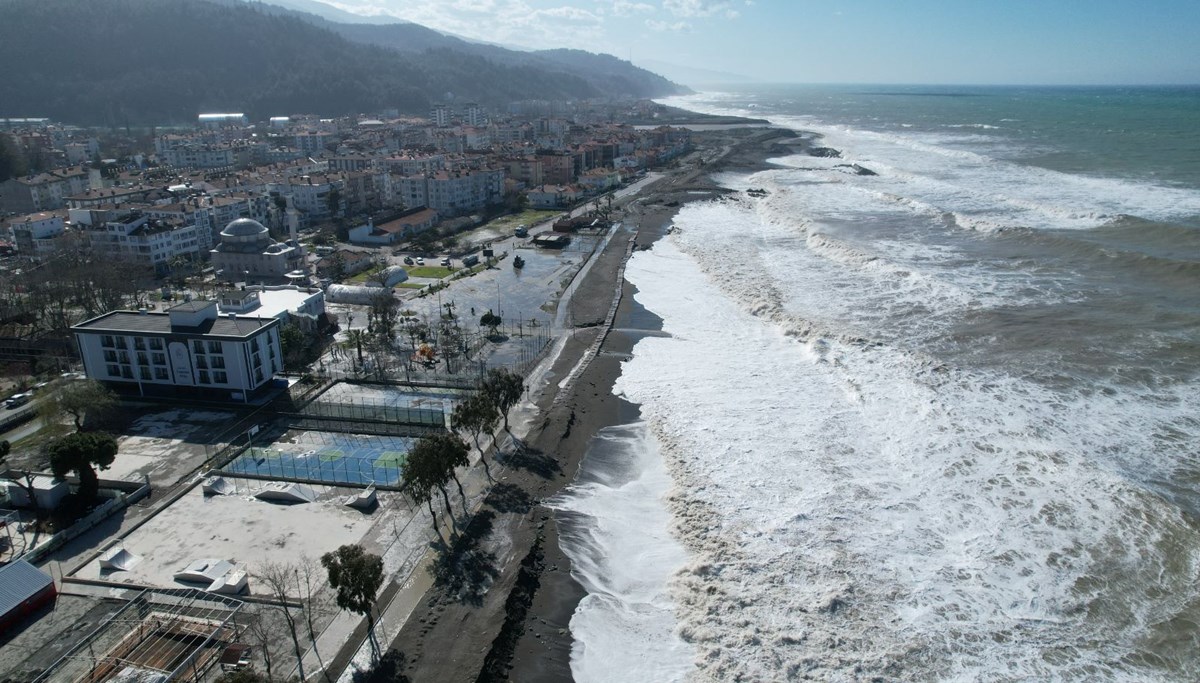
297, 346
86, 401
356, 575
491, 321
384, 312
419, 489
503, 388
444, 453
277, 578
333, 201
426, 468
79, 453
356, 339
475, 416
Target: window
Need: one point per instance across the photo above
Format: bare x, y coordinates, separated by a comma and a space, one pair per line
123, 356
110, 356
197, 346
143, 359
161, 373
114, 370
204, 377
254, 344
159, 358
145, 373
139, 343
201, 362
126, 372
156, 344
258, 376
121, 343
214, 347
108, 341
220, 377
218, 361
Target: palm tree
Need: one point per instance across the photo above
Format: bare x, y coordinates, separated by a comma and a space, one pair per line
356, 338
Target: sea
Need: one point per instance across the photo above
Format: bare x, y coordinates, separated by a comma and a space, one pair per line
936, 423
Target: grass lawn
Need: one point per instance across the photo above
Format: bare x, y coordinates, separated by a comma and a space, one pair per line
529, 217
435, 272
362, 277
411, 285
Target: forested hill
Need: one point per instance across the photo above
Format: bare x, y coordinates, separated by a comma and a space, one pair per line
112, 62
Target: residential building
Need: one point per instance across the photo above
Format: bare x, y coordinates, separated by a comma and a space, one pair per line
473, 114
43, 191
554, 196
36, 235
134, 236
452, 192
558, 168
440, 115
528, 170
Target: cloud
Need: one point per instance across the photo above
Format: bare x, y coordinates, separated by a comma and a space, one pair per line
665, 26
569, 13
625, 8
697, 8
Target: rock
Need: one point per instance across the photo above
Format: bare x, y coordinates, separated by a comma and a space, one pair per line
824, 152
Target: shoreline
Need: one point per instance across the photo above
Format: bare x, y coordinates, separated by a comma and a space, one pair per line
520, 629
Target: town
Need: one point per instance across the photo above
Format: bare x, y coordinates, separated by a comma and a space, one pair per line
260, 374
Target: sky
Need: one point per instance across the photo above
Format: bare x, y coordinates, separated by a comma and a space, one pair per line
1059, 42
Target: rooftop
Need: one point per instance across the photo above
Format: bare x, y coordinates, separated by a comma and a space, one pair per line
134, 322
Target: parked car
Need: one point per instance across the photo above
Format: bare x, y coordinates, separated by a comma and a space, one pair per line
408, 260
445, 262
17, 400
420, 261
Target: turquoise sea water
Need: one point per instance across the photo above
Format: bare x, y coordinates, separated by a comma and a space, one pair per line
1145, 133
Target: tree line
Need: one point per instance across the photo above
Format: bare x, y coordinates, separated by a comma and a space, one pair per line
432, 463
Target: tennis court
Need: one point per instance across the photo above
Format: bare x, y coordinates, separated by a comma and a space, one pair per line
327, 457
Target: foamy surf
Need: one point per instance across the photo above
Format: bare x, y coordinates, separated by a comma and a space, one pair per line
854, 516
614, 527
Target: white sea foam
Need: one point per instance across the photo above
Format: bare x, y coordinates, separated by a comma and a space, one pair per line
615, 529
856, 511
944, 171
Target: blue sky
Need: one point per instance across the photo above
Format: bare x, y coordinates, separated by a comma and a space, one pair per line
848, 41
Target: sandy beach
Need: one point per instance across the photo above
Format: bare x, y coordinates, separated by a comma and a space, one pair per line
518, 628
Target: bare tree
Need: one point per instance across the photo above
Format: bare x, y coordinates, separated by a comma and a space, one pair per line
281, 580
265, 631
317, 603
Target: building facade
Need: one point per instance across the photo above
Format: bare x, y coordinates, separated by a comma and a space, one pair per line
189, 346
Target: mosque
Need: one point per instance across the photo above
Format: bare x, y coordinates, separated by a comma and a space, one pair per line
247, 252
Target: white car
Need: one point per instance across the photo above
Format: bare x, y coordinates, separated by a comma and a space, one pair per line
420, 261
446, 262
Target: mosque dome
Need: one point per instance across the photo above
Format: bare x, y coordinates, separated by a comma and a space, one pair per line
245, 234
244, 227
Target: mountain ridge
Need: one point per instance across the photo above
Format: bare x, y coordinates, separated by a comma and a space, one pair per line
163, 61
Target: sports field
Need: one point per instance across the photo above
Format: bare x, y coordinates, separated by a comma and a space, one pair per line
327, 457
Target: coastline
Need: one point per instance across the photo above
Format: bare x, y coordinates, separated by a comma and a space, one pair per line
519, 629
